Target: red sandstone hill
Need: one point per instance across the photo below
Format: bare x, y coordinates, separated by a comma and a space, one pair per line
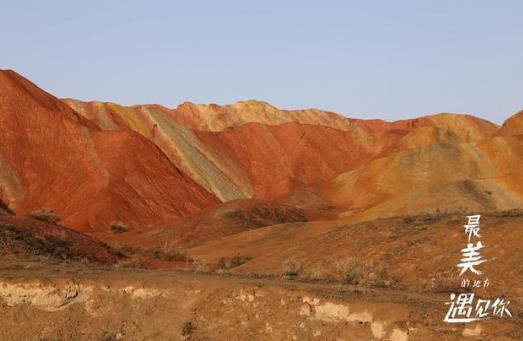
51, 157
167, 172
251, 149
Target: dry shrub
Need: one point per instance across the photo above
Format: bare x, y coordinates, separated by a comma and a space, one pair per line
222, 271
357, 272
232, 262
200, 266
119, 227
291, 267
425, 218
171, 255
127, 250
318, 273
109, 336
444, 282
350, 269
45, 215
188, 328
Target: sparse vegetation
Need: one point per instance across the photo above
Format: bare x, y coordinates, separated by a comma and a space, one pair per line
263, 216
425, 218
319, 273
409, 219
128, 250
200, 266
119, 227
356, 272
510, 213
107, 336
444, 282
19, 241
291, 267
45, 215
232, 262
351, 270
171, 255
188, 328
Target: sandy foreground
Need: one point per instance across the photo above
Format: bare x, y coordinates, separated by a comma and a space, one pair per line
74, 302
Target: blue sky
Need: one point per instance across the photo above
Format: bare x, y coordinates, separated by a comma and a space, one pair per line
368, 59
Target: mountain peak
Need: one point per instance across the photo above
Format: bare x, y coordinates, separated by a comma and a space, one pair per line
512, 126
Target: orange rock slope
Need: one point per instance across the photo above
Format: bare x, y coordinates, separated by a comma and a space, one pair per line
444, 176
51, 157
371, 168
251, 149
149, 166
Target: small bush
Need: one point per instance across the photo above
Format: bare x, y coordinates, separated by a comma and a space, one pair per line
444, 282
168, 255
409, 219
200, 266
127, 250
131, 264
351, 269
425, 218
291, 267
44, 215
232, 262
119, 227
187, 328
107, 336
319, 273
356, 272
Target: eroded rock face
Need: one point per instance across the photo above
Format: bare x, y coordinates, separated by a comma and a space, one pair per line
252, 149
148, 166
52, 157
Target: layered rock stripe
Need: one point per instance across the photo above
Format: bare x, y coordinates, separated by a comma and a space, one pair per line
95, 162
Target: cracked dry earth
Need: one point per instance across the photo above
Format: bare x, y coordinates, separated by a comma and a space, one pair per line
91, 304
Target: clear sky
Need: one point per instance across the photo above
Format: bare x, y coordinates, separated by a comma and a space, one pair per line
370, 59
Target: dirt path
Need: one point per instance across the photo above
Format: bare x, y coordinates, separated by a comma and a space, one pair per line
74, 302
327, 289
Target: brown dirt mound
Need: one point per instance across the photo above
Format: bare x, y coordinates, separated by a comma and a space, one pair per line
407, 251
25, 237
222, 221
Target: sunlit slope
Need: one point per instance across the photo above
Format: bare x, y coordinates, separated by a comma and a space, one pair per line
435, 177
51, 157
253, 150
